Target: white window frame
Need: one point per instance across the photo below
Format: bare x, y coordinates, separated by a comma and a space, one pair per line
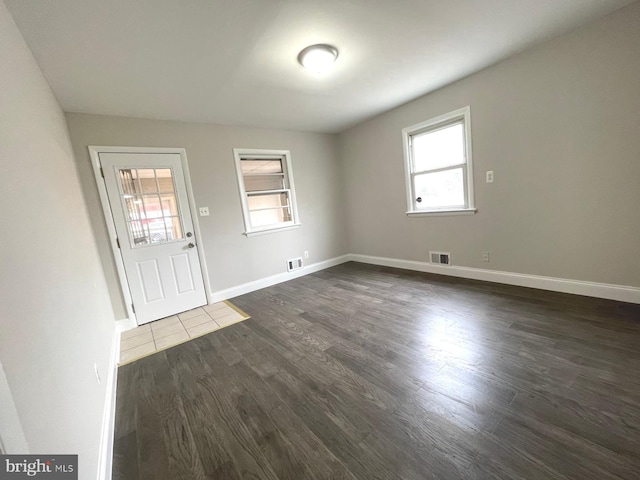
284, 155
462, 115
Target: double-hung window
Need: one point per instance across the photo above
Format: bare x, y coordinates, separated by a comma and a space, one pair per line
439, 174
266, 188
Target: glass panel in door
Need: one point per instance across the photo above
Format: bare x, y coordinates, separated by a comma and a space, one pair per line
151, 205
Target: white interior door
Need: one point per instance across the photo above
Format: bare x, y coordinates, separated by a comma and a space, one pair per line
151, 213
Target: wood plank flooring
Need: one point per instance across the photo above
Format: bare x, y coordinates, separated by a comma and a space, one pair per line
364, 372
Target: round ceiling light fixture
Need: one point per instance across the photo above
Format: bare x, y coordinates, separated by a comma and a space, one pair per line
318, 58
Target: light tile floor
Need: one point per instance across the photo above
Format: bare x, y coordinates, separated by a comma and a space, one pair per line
168, 332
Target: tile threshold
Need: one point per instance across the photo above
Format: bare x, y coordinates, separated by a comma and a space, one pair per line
232, 309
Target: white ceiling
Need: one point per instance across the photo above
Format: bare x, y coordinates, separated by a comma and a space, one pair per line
234, 61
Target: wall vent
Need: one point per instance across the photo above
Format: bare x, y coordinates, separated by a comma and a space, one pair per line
440, 258
294, 264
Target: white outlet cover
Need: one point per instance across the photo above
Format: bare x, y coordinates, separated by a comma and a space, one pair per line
489, 176
204, 211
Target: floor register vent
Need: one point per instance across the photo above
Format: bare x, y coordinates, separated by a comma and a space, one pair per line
294, 264
440, 258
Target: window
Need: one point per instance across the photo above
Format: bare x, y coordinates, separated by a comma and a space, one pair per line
150, 205
266, 187
438, 168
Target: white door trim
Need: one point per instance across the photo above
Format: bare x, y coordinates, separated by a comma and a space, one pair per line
94, 152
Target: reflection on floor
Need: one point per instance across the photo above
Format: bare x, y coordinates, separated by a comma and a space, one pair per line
360, 372
168, 332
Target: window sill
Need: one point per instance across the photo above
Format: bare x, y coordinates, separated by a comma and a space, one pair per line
271, 230
443, 213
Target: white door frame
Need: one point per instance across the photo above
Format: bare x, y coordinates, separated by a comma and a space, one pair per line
94, 152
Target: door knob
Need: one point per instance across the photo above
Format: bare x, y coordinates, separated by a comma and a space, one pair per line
189, 234
191, 245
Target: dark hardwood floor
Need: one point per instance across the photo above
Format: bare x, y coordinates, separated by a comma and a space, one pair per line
363, 372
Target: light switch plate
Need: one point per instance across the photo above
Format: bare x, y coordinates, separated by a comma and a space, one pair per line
204, 211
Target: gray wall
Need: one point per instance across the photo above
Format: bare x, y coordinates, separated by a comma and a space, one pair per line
56, 319
232, 258
560, 127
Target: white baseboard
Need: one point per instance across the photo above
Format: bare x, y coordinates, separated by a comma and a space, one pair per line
125, 324
105, 462
590, 289
228, 293
577, 287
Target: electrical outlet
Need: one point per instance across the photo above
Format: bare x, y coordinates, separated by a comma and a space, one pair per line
489, 176
306, 254
485, 256
95, 369
204, 211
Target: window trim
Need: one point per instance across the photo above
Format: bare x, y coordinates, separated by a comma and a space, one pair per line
260, 153
434, 124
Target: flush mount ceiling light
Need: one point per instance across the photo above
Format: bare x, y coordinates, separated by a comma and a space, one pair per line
318, 58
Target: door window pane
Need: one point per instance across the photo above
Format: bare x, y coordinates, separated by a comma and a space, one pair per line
147, 180
129, 181
169, 205
134, 207
157, 230
151, 205
174, 228
165, 180
137, 233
